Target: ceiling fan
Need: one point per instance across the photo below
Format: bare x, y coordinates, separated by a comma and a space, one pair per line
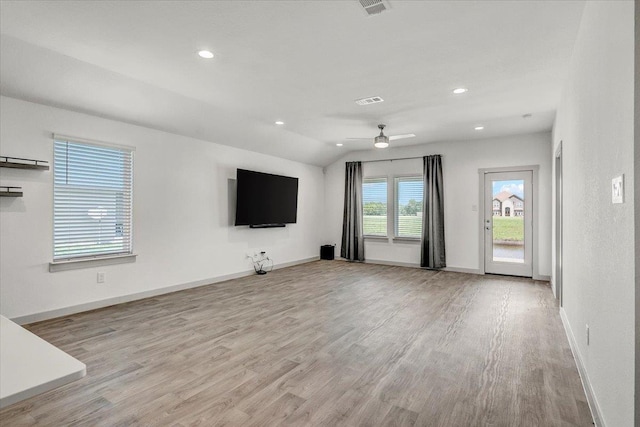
382, 140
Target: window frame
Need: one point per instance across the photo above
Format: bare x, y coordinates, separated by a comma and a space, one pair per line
392, 209
396, 208
94, 259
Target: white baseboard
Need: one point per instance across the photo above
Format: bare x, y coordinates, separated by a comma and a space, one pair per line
413, 265
392, 263
542, 278
463, 270
79, 308
586, 383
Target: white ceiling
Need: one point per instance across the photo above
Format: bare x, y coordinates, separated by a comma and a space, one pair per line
303, 62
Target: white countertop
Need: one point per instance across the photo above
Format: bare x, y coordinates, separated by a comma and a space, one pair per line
29, 365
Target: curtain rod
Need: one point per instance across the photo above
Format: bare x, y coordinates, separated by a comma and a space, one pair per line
391, 160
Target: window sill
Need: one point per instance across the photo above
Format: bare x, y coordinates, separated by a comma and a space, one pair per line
75, 264
376, 238
406, 240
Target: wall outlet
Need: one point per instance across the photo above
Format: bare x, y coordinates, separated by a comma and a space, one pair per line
101, 277
587, 333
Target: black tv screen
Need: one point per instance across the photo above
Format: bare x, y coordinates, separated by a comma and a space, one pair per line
264, 200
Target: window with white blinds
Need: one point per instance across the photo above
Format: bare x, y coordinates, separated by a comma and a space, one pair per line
409, 206
92, 200
374, 206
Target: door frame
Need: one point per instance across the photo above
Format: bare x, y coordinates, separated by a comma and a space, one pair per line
558, 184
534, 209
523, 267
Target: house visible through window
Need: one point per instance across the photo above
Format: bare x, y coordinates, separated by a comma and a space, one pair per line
92, 200
409, 207
374, 206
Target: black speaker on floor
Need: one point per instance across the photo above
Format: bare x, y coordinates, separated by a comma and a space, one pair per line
327, 252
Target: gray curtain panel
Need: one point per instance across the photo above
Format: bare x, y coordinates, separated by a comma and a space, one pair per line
352, 234
433, 253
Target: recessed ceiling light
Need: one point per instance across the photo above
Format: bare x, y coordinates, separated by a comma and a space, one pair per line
279, 123
339, 145
479, 127
205, 54
460, 90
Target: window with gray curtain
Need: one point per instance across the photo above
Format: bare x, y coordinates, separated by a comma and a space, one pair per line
433, 245
374, 205
409, 206
352, 231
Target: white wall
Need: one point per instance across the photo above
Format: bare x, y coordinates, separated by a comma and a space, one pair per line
182, 224
461, 161
595, 124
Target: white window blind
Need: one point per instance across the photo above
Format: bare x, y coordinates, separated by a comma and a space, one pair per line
409, 207
374, 206
92, 200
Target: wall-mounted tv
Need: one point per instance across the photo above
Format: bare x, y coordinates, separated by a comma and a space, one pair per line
265, 200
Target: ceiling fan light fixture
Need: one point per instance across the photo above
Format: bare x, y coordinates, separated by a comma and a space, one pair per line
380, 144
381, 141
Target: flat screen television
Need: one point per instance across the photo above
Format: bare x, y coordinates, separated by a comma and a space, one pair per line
265, 200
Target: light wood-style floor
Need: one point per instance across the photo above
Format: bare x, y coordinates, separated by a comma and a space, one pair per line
324, 343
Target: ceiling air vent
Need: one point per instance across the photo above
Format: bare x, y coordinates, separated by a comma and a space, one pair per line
367, 101
374, 7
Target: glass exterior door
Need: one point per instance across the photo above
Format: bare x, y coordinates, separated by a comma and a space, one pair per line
507, 224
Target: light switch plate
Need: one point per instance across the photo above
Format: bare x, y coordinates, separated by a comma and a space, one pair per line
617, 189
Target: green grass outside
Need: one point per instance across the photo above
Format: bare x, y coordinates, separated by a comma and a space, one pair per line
504, 228
375, 225
508, 228
87, 248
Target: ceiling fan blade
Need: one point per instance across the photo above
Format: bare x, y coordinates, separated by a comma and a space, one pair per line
406, 135
360, 139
